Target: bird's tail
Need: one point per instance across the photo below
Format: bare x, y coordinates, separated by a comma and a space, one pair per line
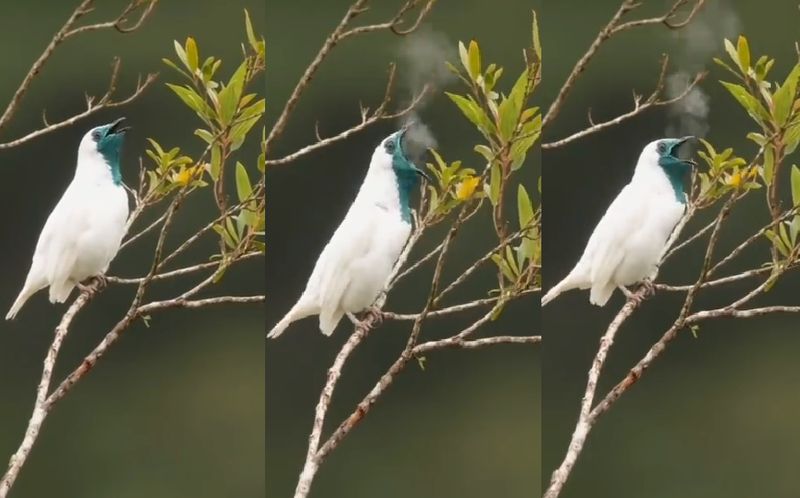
567, 284
298, 311
600, 294
23, 296
60, 291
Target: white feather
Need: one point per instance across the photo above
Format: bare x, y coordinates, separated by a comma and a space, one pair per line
354, 266
626, 244
83, 232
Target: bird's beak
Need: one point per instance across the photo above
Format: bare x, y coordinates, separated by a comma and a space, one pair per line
423, 174
678, 144
116, 127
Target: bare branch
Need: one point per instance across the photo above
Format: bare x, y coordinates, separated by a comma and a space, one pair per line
652, 101
612, 28
41, 407
340, 33
585, 421
367, 120
66, 31
478, 343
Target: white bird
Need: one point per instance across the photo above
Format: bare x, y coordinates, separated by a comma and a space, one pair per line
83, 233
355, 265
627, 244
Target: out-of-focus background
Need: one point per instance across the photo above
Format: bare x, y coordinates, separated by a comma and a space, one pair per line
176, 409
469, 424
715, 416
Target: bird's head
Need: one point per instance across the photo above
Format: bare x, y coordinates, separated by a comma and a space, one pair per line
105, 143
664, 154
391, 154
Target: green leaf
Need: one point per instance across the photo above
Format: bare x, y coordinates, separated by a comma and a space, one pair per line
494, 184
784, 96
243, 186
769, 165
473, 112
205, 135
191, 54
537, 46
216, 162
181, 54
743, 52
753, 107
795, 181
474, 54
463, 55
524, 207
230, 95
734, 54
251, 37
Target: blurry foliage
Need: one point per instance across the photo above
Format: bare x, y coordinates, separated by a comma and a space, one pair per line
774, 108
228, 113
509, 128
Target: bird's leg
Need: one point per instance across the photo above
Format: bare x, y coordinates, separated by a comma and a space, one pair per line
647, 288
93, 284
637, 297
374, 314
628, 294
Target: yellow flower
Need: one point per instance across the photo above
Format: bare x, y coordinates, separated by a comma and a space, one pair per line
467, 187
185, 175
735, 180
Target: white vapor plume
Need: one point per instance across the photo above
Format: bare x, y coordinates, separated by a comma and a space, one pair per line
698, 42
422, 62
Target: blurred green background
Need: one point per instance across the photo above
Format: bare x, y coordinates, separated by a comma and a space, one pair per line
715, 416
469, 424
173, 410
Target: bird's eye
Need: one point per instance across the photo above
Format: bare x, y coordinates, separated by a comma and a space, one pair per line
389, 146
96, 135
662, 147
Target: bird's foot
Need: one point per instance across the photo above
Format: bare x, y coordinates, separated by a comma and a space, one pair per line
647, 288
374, 315
93, 284
628, 294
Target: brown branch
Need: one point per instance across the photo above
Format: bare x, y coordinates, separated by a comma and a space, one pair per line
66, 31
612, 28
367, 120
339, 33
652, 101
587, 415
41, 407
585, 421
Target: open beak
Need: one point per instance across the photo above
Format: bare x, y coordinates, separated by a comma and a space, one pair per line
117, 128
681, 141
423, 174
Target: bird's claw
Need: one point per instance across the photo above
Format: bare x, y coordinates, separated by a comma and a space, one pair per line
93, 284
647, 288
374, 315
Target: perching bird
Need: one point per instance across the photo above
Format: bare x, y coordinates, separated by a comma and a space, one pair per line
83, 233
356, 263
627, 244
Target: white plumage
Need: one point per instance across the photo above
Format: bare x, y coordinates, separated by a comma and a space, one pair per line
627, 243
354, 266
83, 232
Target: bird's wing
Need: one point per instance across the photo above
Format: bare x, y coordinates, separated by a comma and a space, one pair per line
56, 249
606, 247
332, 273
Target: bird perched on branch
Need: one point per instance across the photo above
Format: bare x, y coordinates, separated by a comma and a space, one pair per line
627, 244
83, 233
356, 263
